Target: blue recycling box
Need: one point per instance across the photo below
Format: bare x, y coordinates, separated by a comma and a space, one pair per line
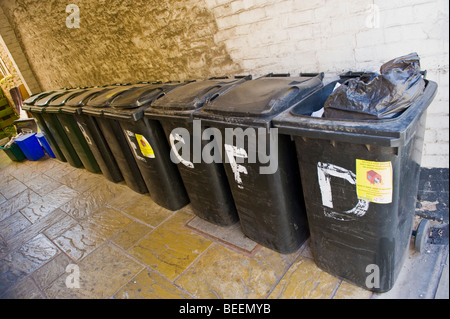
45, 145
30, 146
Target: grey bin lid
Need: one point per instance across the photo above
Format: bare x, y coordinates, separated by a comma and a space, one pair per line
193, 95
262, 97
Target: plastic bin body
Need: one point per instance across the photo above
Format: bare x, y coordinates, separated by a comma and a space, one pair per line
206, 183
270, 206
37, 114
72, 130
148, 144
14, 152
30, 146
115, 138
359, 226
45, 145
92, 134
56, 129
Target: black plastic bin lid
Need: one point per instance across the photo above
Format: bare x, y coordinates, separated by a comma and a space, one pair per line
139, 95
79, 100
47, 99
130, 104
394, 132
259, 100
60, 104
192, 96
62, 100
35, 97
106, 96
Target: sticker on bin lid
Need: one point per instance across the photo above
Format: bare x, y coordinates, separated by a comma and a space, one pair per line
374, 181
145, 147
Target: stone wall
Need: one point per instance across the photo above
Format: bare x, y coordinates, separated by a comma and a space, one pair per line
129, 41
119, 41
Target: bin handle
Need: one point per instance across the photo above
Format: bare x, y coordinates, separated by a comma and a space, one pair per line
223, 77
160, 95
273, 75
226, 88
276, 105
120, 116
312, 75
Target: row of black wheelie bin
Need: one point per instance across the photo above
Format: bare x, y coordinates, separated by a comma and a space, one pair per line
280, 154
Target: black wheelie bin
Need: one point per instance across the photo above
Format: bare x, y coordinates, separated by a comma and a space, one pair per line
360, 177
148, 143
260, 164
36, 112
55, 107
57, 130
205, 181
89, 128
114, 136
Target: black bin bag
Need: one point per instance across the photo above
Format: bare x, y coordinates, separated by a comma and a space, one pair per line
378, 96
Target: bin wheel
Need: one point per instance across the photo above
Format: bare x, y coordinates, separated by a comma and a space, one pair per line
421, 235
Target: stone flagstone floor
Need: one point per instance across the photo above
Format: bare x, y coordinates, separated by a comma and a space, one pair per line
123, 245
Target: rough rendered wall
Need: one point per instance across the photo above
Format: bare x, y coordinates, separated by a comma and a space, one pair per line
129, 41
118, 41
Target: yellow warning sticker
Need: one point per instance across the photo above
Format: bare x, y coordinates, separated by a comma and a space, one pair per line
145, 147
374, 181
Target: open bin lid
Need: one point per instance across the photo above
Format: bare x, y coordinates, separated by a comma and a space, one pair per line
130, 104
191, 96
393, 132
258, 101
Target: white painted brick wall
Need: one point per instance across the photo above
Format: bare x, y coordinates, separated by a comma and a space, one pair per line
293, 36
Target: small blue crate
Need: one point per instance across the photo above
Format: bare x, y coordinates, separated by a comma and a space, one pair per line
30, 146
45, 144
